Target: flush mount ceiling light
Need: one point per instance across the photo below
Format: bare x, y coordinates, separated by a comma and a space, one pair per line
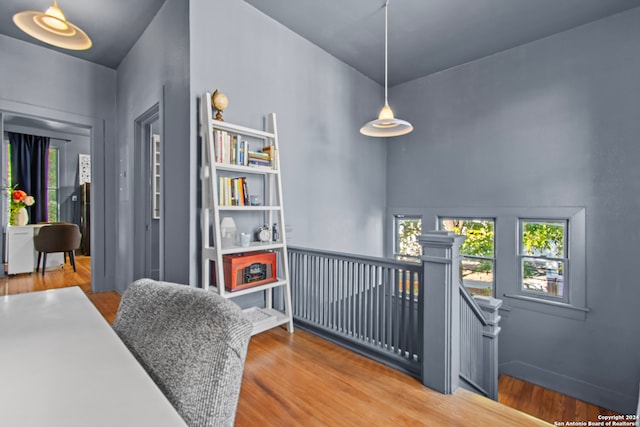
53, 28
386, 125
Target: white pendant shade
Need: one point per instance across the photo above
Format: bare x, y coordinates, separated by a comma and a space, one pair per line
386, 125
53, 28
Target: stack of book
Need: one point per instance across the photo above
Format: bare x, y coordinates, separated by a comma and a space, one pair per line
233, 150
259, 158
271, 151
230, 148
265, 158
233, 191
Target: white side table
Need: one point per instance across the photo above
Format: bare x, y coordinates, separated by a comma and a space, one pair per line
21, 254
20, 249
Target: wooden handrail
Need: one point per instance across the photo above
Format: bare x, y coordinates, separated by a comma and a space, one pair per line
473, 304
384, 262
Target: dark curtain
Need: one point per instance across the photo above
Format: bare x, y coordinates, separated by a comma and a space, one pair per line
30, 170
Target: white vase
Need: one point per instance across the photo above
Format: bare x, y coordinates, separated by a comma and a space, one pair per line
21, 217
228, 232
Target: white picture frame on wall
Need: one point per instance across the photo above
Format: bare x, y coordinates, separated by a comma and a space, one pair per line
84, 168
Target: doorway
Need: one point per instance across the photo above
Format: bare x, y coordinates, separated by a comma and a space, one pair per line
147, 197
69, 143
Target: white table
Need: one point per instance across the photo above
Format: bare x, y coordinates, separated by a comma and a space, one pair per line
61, 364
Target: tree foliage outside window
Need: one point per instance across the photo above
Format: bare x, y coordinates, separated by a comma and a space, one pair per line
543, 257
407, 231
542, 243
479, 233
52, 186
543, 239
478, 252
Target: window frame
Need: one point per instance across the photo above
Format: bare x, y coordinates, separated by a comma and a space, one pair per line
7, 174
520, 256
57, 186
494, 260
506, 280
575, 304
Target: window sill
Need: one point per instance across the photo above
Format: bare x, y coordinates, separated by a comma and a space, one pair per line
548, 307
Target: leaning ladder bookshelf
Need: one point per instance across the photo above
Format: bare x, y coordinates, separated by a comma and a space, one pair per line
219, 167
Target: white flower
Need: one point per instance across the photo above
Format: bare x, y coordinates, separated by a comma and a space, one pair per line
29, 201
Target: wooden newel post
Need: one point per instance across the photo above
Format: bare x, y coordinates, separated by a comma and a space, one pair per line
441, 341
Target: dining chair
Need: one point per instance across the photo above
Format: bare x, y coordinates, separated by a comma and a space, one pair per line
193, 344
57, 237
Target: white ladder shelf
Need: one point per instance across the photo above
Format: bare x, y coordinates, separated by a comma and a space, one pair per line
270, 211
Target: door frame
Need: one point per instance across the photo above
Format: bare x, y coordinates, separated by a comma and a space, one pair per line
141, 199
102, 272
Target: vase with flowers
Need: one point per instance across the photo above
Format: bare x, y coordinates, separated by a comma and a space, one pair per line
18, 203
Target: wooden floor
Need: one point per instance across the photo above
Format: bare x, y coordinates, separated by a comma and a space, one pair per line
302, 380
546, 404
106, 302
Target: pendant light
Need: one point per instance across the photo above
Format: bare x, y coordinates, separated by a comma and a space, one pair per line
386, 125
52, 27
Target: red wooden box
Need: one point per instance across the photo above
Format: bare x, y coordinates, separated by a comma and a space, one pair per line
243, 271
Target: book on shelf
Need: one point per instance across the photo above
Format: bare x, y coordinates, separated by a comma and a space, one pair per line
232, 149
259, 155
272, 152
229, 148
258, 162
233, 191
261, 318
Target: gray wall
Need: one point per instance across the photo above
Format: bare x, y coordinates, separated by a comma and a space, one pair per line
39, 82
333, 178
554, 123
156, 70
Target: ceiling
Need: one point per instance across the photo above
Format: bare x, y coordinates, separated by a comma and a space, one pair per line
113, 25
425, 36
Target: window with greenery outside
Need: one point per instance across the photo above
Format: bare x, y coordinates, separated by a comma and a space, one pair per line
407, 229
52, 186
543, 257
477, 264
407, 248
52, 183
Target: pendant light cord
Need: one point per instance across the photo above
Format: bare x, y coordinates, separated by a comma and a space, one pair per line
386, 48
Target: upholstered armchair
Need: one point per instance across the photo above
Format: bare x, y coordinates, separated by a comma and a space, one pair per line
193, 344
57, 237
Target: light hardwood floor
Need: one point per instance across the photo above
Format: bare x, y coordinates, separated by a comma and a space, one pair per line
302, 380
106, 302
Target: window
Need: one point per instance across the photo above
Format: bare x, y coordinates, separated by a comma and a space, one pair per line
543, 258
477, 266
407, 229
497, 249
52, 186
7, 194
52, 182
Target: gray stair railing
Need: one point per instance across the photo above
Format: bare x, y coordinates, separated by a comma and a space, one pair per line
479, 330
461, 332
368, 304
415, 317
